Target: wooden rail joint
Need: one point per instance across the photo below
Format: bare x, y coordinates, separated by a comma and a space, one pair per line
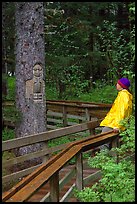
28, 186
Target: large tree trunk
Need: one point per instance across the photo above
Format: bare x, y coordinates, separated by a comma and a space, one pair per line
4, 55
30, 71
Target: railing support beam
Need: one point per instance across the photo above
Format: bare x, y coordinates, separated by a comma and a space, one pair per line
54, 187
79, 171
115, 143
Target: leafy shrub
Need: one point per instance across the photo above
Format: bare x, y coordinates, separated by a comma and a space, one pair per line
118, 179
8, 134
11, 88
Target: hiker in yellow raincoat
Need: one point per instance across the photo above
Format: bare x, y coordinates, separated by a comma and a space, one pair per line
121, 109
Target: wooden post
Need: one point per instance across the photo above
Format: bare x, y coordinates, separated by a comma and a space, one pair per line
64, 117
47, 156
80, 120
115, 143
87, 114
79, 171
54, 187
88, 118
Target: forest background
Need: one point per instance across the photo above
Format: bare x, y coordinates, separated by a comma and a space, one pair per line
88, 45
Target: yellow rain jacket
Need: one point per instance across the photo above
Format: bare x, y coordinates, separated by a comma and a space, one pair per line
121, 109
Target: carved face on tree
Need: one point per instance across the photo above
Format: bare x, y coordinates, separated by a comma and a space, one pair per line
37, 70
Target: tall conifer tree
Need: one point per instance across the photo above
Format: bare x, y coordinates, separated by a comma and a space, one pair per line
30, 71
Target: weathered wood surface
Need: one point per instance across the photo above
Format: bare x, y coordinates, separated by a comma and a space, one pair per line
54, 117
41, 137
62, 112
45, 136
29, 185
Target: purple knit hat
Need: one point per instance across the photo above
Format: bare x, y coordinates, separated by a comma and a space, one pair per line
124, 82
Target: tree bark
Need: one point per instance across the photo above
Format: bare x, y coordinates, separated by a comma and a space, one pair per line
30, 71
4, 55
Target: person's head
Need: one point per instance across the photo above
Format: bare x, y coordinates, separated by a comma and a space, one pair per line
123, 83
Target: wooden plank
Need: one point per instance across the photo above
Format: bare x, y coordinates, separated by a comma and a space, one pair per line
33, 155
7, 123
54, 187
72, 123
45, 136
78, 110
72, 102
62, 182
56, 114
67, 178
26, 180
79, 171
28, 190
42, 174
64, 116
6, 178
53, 113
23, 158
19, 174
77, 117
92, 177
52, 127
8, 103
77, 103
98, 140
30, 177
68, 194
54, 120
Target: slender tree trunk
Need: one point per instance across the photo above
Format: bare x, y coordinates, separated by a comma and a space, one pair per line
30, 71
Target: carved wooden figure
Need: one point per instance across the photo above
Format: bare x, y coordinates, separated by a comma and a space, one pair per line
35, 86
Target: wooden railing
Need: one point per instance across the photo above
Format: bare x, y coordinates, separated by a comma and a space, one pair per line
49, 171
44, 137
58, 112
65, 113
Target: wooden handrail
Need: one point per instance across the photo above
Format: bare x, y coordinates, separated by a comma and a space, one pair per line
45, 136
63, 102
84, 111
28, 186
44, 152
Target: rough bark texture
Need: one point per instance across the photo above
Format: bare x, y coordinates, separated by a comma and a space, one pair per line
30, 54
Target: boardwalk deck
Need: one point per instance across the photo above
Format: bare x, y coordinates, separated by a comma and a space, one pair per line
87, 171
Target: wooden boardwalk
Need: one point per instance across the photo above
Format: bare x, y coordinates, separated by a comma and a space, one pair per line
56, 176
52, 171
87, 171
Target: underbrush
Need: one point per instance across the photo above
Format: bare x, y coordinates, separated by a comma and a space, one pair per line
118, 179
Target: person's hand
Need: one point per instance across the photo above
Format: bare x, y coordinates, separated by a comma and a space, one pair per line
115, 130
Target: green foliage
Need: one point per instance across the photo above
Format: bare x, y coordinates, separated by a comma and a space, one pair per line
128, 136
117, 184
86, 45
7, 134
115, 43
58, 141
51, 92
82, 40
11, 114
132, 30
11, 87
118, 179
99, 93
102, 93
64, 140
